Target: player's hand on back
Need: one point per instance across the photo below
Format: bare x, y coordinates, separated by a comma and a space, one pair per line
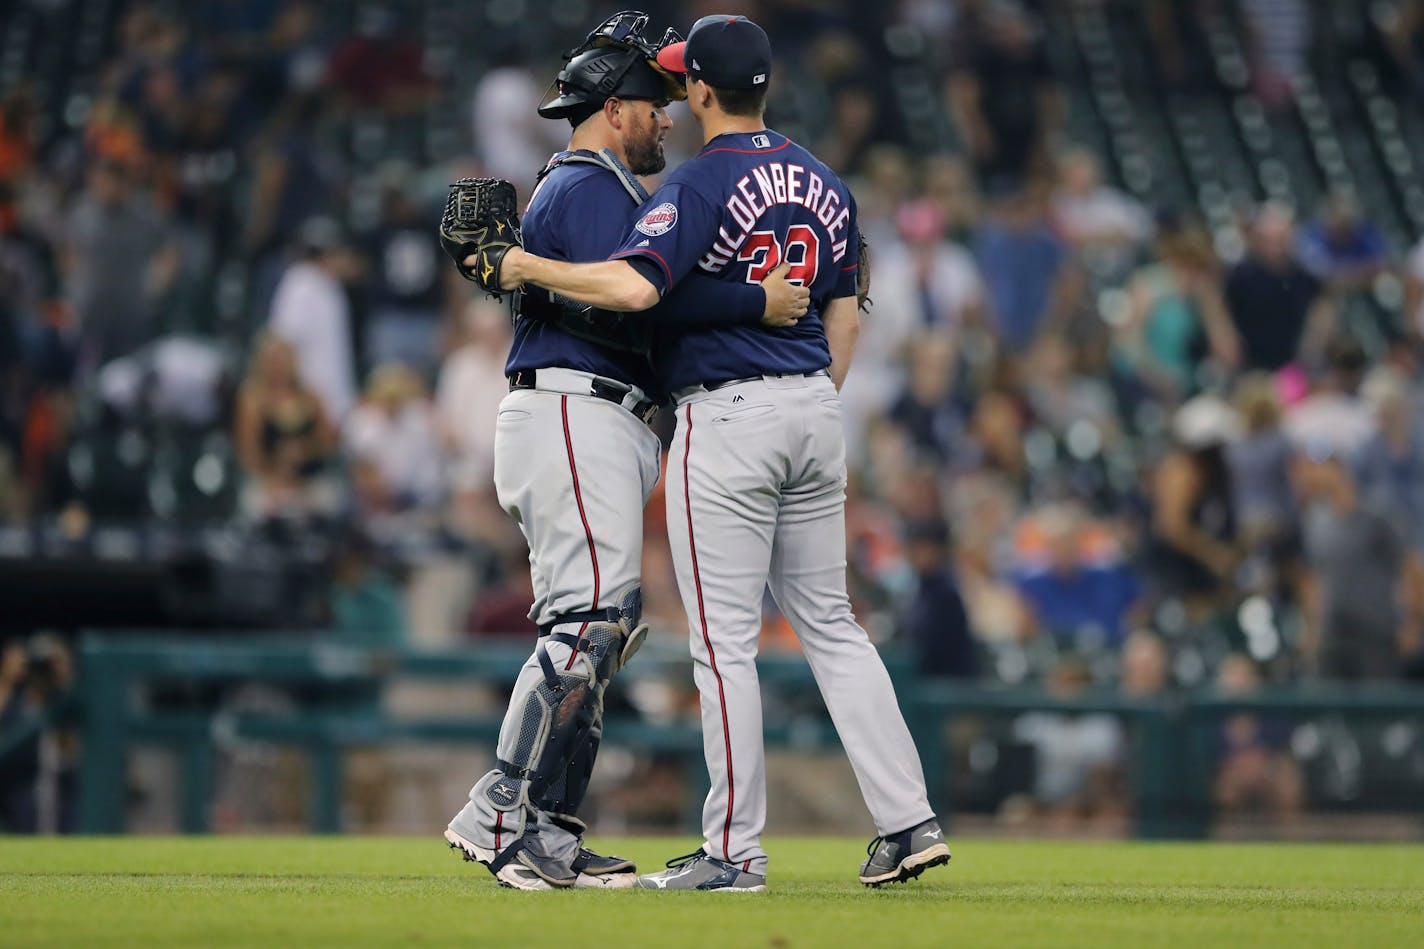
785, 302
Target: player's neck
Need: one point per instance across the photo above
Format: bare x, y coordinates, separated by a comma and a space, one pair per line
594, 140
720, 123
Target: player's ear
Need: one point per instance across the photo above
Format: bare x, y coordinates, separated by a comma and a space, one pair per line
612, 111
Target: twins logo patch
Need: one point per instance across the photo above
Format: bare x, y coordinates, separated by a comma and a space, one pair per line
658, 221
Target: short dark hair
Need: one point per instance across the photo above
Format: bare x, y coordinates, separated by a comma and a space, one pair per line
746, 102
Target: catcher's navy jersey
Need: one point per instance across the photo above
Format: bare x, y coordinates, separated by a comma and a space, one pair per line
747, 201
576, 214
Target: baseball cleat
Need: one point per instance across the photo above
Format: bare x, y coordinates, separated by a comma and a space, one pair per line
521, 873
699, 871
904, 856
597, 871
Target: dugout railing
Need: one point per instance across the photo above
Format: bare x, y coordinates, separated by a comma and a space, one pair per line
1169, 769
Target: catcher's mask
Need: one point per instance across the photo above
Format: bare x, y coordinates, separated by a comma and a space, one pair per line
614, 60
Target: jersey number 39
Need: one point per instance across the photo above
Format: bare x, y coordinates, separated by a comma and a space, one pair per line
764, 254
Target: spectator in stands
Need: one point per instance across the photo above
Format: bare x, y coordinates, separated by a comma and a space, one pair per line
1364, 590
408, 279
1079, 596
1180, 64
507, 97
930, 286
1177, 317
949, 183
1094, 218
1414, 291
1341, 248
854, 123
1024, 266
889, 184
1063, 396
298, 175
18, 813
119, 260
311, 311
470, 388
1259, 462
502, 608
996, 444
1333, 412
1255, 771
1277, 34
1402, 26
1002, 94
935, 624
1193, 547
288, 58
367, 607
1275, 303
856, 92
397, 467
1146, 667
983, 509
35, 343
1390, 464
875, 557
35, 677
932, 283
1077, 757
284, 440
925, 410
201, 172
380, 66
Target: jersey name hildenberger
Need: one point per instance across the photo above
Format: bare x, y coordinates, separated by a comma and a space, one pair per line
770, 184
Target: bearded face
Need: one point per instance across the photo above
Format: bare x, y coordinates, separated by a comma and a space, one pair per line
645, 138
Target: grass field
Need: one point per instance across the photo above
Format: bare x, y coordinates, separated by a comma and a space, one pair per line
384, 892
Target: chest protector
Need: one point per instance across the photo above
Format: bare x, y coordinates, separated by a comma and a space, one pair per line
604, 327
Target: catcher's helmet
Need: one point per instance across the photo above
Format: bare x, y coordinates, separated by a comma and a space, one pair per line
613, 60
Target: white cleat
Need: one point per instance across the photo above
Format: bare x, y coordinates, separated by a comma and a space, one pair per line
513, 875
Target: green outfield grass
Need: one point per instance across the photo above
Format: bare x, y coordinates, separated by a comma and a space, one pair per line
383, 892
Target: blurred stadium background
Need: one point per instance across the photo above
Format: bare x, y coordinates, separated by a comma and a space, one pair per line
1137, 496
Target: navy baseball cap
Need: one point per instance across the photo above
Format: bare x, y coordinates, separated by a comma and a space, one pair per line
729, 52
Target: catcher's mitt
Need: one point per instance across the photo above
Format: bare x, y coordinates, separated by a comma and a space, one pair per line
481, 218
862, 276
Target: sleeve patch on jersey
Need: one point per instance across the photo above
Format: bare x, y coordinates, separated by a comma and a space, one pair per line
659, 220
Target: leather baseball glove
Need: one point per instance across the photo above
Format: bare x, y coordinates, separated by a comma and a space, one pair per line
862, 276
482, 219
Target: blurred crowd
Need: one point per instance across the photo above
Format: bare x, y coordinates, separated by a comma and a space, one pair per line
1094, 442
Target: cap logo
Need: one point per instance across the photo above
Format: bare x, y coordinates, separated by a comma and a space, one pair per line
659, 220
695, 65
759, 78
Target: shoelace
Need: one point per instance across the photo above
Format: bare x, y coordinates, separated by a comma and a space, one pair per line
686, 858
870, 851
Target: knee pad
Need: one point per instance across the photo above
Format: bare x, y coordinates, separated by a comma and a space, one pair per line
628, 604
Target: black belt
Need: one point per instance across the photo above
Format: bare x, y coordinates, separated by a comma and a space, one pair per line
608, 390
723, 383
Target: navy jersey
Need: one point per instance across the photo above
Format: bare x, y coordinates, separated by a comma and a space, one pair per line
576, 214
745, 203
